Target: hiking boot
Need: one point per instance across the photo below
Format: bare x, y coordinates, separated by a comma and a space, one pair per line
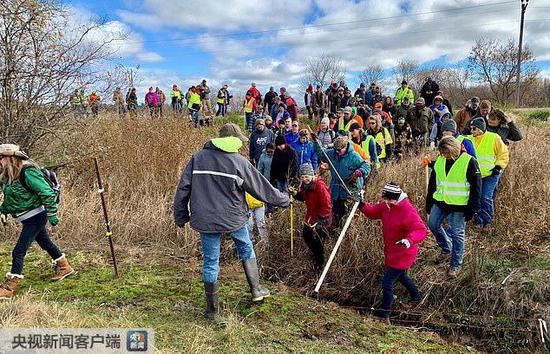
413, 303
454, 271
62, 268
443, 257
251, 271
7, 289
212, 302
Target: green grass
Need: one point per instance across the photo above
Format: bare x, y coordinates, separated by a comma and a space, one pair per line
168, 296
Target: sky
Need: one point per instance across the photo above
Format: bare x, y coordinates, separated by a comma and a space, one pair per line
242, 41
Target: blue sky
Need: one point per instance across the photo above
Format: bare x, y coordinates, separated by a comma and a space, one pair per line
238, 41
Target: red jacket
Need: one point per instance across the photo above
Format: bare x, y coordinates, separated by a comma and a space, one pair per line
400, 221
318, 202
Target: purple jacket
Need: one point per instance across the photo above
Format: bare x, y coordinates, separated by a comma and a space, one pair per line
151, 99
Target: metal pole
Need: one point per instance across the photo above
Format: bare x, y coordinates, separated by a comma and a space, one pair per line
524, 4
109, 233
336, 246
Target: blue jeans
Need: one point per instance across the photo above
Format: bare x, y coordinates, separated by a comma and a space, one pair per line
196, 116
486, 209
391, 275
34, 229
450, 240
211, 243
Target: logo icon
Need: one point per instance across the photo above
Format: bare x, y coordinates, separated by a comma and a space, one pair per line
136, 341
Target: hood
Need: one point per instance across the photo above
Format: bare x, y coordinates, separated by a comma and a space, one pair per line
229, 144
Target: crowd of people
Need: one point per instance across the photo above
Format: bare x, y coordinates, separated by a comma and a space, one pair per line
325, 158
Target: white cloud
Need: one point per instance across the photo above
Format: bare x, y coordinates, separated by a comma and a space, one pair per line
122, 41
227, 15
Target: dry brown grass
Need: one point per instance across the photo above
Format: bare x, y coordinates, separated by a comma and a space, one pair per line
142, 160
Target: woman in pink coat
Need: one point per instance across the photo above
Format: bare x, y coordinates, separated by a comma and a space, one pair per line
403, 231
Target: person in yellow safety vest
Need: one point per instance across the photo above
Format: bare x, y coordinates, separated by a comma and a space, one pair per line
454, 191
221, 101
256, 212
382, 137
402, 92
492, 155
346, 121
365, 143
175, 98
194, 105
249, 105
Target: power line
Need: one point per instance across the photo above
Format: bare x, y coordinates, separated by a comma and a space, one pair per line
362, 38
400, 16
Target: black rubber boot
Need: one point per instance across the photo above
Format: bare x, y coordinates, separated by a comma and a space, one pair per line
251, 270
212, 303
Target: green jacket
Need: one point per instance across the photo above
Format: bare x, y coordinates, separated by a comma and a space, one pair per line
18, 200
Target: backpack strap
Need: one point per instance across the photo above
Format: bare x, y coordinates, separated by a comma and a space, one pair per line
23, 179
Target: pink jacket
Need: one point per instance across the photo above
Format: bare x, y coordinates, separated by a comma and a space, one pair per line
400, 221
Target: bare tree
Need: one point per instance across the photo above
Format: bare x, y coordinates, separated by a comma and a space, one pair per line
371, 73
322, 69
495, 63
44, 56
406, 70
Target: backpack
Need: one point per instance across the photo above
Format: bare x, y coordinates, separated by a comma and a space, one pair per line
50, 177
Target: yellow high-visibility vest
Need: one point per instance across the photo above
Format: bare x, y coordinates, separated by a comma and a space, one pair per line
452, 188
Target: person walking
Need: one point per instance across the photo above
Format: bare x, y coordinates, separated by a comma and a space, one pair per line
308, 101
500, 123
402, 92
205, 97
429, 91
220, 101
269, 99
175, 98
131, 102
162, 100
464, 116
492, 155
31, 200
420, 118
283, 164
349, 166
211, 196
152, 102
325, 134
94, 100
194, 106
314, 192
305, 153
403, 231
259, 139
118, 99
249, 106
454, 191
319, 104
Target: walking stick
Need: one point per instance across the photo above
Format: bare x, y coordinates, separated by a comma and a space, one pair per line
336, 246
109, 233
426, 162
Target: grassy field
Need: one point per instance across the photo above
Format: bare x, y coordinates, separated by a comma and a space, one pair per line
166, 294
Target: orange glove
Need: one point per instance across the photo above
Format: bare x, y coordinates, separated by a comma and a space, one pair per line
426, 160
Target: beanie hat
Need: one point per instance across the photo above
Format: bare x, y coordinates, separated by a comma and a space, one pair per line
448, 126
479, 123
325, 120
306, 170
260, 121
391, 191
280, 140
420, 100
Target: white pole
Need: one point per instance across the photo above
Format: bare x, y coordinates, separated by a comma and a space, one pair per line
336, 246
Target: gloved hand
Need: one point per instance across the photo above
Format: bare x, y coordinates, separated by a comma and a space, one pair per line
324, 221
354, 176
496, 171
432, 145
292, 190
53, 219
4, 219
181, 223
404, 242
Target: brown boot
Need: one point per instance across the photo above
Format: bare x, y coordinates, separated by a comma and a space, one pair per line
7, 289
62, 268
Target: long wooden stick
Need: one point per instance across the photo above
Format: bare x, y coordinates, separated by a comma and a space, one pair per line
109, 233
336, 246
291, 228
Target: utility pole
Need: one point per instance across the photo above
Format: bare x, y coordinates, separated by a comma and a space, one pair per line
524, 4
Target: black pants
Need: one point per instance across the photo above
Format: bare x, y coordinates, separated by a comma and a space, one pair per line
339, 211
391, 275
33, 229
221, 110
314, 240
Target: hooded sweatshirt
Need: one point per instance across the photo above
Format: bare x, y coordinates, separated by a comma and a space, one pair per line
211, 191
